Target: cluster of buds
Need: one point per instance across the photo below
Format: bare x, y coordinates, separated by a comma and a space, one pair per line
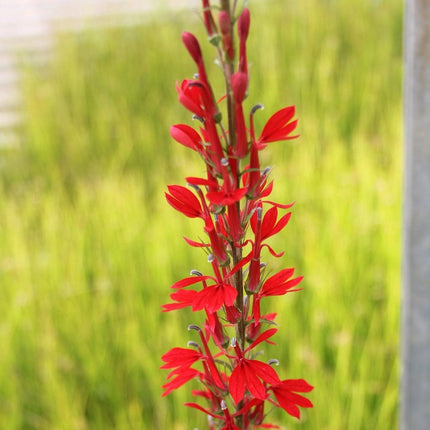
232, 200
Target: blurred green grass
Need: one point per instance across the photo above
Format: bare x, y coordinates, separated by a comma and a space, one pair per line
88, 247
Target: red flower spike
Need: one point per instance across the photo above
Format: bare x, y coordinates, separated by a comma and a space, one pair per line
278, 127
229, 198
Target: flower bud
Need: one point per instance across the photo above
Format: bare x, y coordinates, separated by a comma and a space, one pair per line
192, 45
243, 25
225, 28
239, 84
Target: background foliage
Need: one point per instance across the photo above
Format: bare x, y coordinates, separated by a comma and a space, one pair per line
89, 248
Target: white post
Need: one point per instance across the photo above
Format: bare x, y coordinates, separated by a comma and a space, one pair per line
415, 386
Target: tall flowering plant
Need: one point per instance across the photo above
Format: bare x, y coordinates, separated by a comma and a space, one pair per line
232, 201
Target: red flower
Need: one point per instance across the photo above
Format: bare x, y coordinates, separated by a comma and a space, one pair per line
277, 285
250, 374
285, 393
225, 197
269, 226
183, 298
183, 200
278, 127
214, 297
187, 136
180, 358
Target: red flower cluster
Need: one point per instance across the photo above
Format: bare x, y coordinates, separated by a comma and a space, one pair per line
238, 219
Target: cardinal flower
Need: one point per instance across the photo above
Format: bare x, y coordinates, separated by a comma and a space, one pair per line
279, 127
287, 397
277, 285
250, 374
179, 377
183, 200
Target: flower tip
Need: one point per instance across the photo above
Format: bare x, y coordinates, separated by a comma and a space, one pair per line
243, 24
192, 45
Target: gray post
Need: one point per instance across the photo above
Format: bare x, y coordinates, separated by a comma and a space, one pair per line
415, 386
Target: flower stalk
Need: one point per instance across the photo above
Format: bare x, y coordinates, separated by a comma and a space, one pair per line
231, 201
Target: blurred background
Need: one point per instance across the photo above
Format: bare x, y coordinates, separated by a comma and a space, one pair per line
89, 248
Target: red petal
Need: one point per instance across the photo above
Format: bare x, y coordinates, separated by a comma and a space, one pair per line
201, 181
279, 205
298, 385
187, 136
225, 199
179, 357
191, 280
278, 127
183, 377
264, 371
268, 223
255, 386
183, 200
263, 336
201, 408
237, 384
196, 244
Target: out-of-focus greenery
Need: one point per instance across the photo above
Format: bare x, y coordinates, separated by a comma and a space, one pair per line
89, 248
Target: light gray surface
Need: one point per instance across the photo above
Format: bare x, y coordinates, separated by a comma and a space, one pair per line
415, 409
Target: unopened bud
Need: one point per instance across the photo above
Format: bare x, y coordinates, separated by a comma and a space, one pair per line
243, 24
192, 45
239, 84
